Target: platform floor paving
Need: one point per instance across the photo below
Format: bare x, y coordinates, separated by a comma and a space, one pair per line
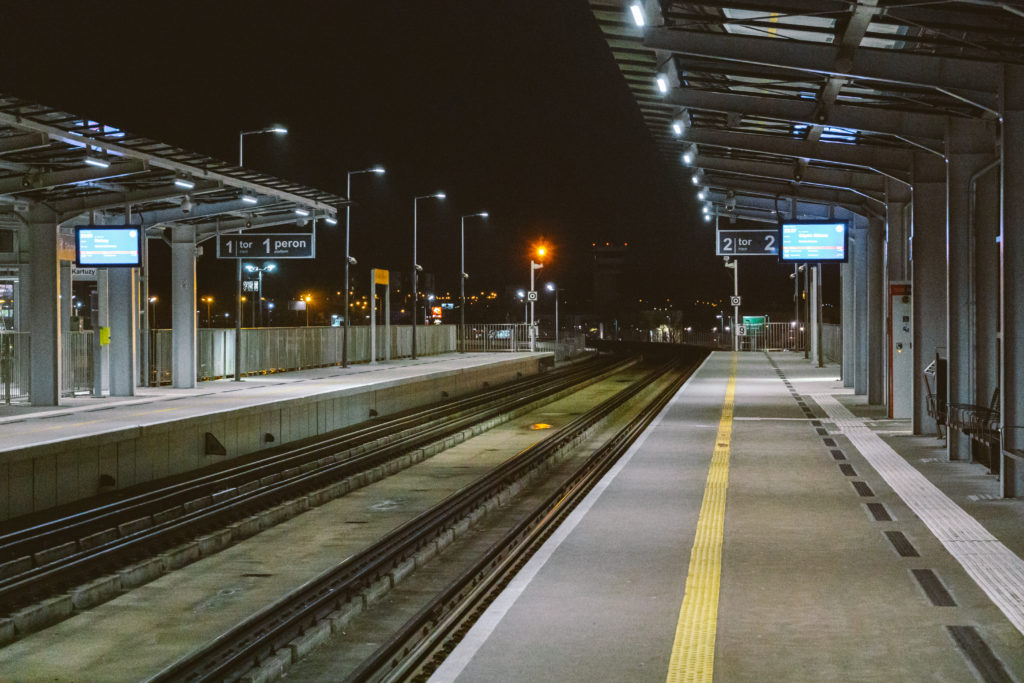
746, 538
23, 425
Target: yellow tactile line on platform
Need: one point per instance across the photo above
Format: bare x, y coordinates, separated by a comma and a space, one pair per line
693, 651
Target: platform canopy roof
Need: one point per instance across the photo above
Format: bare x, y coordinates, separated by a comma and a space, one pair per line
71, 165
821, 101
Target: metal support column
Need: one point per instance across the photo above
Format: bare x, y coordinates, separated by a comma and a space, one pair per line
970, 146
123, 317
65, 296
1012, 278
848, 313
876, 334
928, 254
44, 312
860, 294
183, 307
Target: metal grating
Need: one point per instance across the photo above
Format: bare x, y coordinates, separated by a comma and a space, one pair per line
979, 654
879, 512
902, 544
838, 454
848, 470
863, 489
933, 588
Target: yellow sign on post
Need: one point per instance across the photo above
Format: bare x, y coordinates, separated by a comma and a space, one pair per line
104, 336
380, 277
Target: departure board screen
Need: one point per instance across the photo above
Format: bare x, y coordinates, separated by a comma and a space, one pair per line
106, 245
814, 241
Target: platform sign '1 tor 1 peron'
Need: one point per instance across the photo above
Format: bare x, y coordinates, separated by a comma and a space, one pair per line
814, 241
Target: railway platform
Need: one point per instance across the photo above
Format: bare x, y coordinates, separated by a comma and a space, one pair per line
768, 526
56, 456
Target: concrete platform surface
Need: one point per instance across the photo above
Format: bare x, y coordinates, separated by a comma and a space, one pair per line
830, 557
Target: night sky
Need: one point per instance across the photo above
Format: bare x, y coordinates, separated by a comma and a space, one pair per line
514, 107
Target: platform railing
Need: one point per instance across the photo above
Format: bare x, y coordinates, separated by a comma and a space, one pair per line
268, 350
489, 337
15, 360
76, 362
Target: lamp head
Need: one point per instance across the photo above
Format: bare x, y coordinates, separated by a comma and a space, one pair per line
440, 195
270, 267
279, 130
378, 170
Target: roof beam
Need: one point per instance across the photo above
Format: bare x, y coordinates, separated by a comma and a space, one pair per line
809, 112
42, 181
768, 188
890, 162
115, 201
16, 143
796, 173
973, 80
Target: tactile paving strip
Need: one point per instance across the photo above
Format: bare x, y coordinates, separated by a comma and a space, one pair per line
993, 566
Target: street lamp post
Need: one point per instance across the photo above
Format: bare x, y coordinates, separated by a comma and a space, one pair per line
308, 299
277, 130
348, 257
534, 267
207, 300
552, 287
463, 276
259, 270
416, 268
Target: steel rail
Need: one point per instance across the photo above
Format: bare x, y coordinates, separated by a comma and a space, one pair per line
274, 626
421, 644
46, 534
292, 482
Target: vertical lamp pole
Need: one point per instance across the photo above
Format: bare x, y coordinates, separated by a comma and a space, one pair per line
552, 287
534, 267
279, 130
416, 267
463, 276
348, 257
735, 266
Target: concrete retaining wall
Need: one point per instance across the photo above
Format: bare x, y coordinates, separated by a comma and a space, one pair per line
41, 477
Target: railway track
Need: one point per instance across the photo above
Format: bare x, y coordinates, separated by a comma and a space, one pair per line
55, 555
245, 646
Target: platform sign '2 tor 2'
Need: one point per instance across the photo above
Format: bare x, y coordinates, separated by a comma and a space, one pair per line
262, 245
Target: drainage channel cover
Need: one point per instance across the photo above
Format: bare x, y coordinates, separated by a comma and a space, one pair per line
933, 588
863, 489
901, 544
847, 469
979, 654
879, 512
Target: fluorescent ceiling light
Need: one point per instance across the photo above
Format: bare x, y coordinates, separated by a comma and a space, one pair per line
677, 128
331, 221
187, 184
661, 80
250, 199
638, 14
98, 163
301, 212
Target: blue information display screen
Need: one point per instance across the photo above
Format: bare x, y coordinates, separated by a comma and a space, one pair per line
104, 245
814, 241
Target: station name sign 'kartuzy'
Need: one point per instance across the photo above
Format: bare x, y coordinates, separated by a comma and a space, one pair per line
824, 240
262, 245
748, 243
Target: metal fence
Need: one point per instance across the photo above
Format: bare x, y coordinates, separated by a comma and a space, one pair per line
774, 337
76, 362
280, 349
15, 359
493, 337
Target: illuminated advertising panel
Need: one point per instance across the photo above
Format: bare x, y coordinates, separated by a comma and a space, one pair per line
814, 241
106, 245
